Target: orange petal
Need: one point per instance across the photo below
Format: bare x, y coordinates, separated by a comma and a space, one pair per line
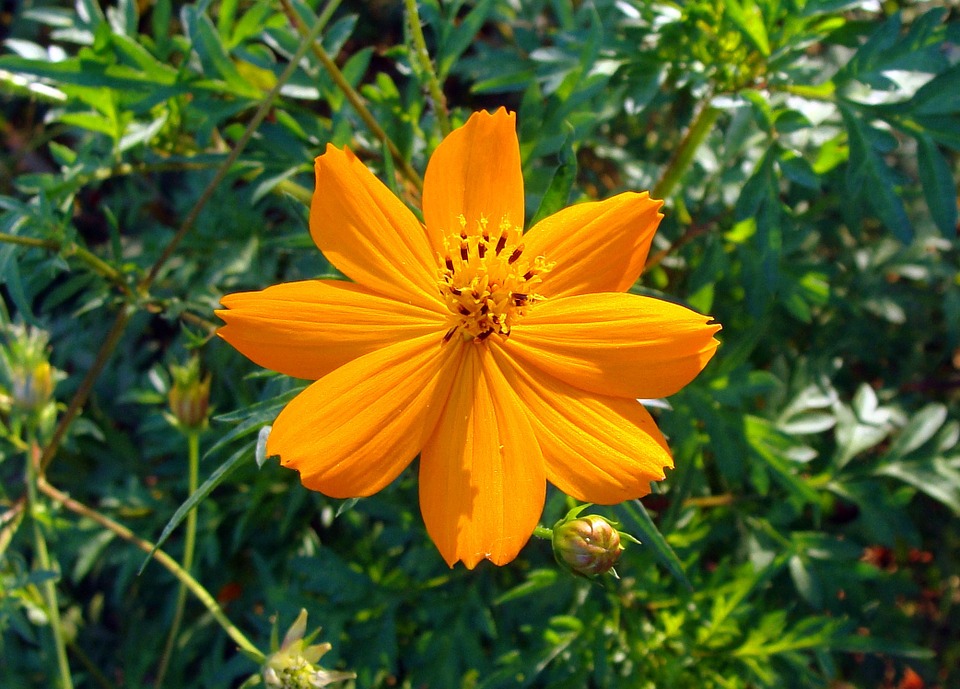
599, 246
615, 344
482, 481
475, 172
596, 448
367, 232
307, 329
353, 431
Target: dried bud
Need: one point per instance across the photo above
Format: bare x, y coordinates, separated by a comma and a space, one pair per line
189, 395
294, 664
588, 545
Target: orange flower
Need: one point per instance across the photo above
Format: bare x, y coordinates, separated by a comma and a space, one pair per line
504, 359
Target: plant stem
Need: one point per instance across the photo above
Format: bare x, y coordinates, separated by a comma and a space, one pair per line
189, 545
543, 532
49, 586
683, 156
433, 82
97, 264
86, 386
354, 98
195, 587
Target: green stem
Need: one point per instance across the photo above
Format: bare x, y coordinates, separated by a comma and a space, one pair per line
354, 98
195, 587
543, 532
86, 386
683, 156
97, 264
193, 458
43, 562
433, 82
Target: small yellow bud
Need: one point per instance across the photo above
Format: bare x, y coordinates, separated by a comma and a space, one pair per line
189, 395
25, 366
32, 387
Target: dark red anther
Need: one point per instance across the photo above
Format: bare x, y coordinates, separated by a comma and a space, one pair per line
516, 254
502, 242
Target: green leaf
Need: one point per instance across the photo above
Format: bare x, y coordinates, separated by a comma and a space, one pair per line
748, 18
868, 177
921, 428
637, 517
939, 96
939, 185
935, 477
558, 192
215, 479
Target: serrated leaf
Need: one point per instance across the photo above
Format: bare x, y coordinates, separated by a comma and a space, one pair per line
869, 177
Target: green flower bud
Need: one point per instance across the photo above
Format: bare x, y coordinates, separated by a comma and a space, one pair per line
294, 664
32, 386
189, 395
588, 545
25, 366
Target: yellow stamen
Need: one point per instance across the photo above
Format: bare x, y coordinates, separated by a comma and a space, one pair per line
486, 287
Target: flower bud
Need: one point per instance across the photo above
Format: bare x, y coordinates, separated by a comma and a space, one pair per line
23, 360
189, 395
294, 664
32, 387
588, 545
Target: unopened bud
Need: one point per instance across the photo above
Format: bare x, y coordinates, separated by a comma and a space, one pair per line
588, 545
31, 378
189, 395
32, 387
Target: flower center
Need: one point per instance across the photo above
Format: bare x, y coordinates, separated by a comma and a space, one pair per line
487, 281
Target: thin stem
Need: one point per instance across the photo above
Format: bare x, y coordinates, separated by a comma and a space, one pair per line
97, 264
426, 64
49, 587
195, 587
683, 156
354, 98
86, 386
543, 532
193, 458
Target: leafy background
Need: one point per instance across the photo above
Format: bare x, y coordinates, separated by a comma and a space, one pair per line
808, 153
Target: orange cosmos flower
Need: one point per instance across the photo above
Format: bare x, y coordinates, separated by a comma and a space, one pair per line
504, 359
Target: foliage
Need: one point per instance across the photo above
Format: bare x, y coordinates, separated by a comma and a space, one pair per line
807, 152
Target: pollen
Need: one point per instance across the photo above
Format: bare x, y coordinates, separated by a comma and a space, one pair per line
487, 280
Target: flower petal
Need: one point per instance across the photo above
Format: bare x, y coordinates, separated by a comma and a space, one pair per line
367, 232
353, 431
475, 172
307, 329
599, 246
596, 448
623, 345
482, 481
